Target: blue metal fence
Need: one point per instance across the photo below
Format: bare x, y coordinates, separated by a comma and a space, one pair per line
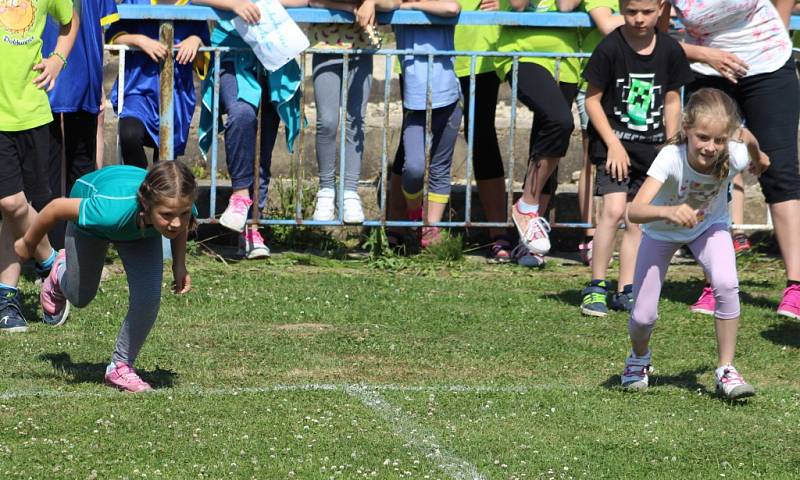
167, 14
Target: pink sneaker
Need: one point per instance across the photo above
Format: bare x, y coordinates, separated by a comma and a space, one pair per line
55, 307
125, 378
235, 216
428, 236
585, 252
706, 304
790, 304
252, 246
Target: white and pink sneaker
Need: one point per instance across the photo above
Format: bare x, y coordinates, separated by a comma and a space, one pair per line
731, 385
790, 303
125, 378
235, 216
252, 245
55, 307
533, 230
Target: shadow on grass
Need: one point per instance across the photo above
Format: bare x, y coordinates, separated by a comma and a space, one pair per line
686, 380
85, 372
786, 333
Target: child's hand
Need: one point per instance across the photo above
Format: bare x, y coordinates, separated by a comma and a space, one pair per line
50, 68
489, 6
365, 14
182, 282
758, 165
23, 251
617, 163
153, 48
247, 11
683, 215
187, 49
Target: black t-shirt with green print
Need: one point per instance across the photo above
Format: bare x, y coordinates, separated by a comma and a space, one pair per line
634, 87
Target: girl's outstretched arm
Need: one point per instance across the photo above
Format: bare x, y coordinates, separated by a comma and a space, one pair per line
58, 209
182, 282
443, 8
641, 209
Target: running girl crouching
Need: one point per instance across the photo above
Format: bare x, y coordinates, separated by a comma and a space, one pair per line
131, 208
684, 201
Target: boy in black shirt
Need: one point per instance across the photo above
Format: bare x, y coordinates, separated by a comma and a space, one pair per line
633, 102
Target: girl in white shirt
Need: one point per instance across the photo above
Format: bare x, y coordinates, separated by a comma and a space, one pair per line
684, 201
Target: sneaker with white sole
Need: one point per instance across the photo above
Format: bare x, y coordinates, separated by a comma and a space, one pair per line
533, 230
525, 258
636, 375
731, 385
790, 303
325, 209
352, 210
252, 245
125, 378
235, 216
55, 307
706, 303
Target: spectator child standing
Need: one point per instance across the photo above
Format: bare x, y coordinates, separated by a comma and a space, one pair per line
684, 201
139, 118
633, 100
249, 95
24, 118
76, 101
131, 208
445, 114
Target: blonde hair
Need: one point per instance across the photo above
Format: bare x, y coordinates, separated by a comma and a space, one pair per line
166, 179
717, 105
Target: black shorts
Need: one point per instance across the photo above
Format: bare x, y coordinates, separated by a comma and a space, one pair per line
769, 103
604, 184
24, 162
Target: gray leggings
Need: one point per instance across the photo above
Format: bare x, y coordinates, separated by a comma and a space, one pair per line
328, 74
144, 266
445, 122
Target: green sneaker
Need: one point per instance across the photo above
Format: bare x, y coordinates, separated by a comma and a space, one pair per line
594, 299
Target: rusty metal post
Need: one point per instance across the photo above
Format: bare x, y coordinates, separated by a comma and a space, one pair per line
166, 123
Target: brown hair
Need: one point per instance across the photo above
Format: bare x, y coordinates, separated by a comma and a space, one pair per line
166, 179
715, 104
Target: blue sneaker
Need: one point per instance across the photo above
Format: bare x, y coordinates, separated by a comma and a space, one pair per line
594, 299
11, 318
622, 301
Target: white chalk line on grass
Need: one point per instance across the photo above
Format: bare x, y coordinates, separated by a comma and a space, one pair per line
307, 387
415, 435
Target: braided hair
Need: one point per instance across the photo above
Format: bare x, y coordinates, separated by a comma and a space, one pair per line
169, 179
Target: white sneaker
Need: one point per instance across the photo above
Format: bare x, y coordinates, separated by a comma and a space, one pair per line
525, 258
325, 209
235, 216
353, 213
252, 246
636, 373
532, 230
731, 385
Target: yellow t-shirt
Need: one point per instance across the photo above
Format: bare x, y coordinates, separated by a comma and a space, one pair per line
535, 39
479, 38
23, 105
589, 38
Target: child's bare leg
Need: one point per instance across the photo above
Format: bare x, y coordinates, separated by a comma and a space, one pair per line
737, 202
726, 339
585, 184
435, 211
612, 213
627, 254
18, 216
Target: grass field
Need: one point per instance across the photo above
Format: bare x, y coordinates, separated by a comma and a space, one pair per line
307, 367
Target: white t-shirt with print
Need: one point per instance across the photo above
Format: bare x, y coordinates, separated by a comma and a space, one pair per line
683, 184
751, 29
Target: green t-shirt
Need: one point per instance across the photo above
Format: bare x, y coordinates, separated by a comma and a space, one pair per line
534, 39
479, 38
22, 105
589, 38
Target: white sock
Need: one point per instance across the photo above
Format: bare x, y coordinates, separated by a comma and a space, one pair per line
111, 366
527, 207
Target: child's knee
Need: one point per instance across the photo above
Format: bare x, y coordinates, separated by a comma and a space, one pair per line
726, 293
612, 213
14, 206
241, 114
641, 326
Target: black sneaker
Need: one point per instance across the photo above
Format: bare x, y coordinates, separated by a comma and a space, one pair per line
11, 318
622, 301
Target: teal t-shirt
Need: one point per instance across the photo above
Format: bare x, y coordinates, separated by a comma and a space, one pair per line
108, 203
